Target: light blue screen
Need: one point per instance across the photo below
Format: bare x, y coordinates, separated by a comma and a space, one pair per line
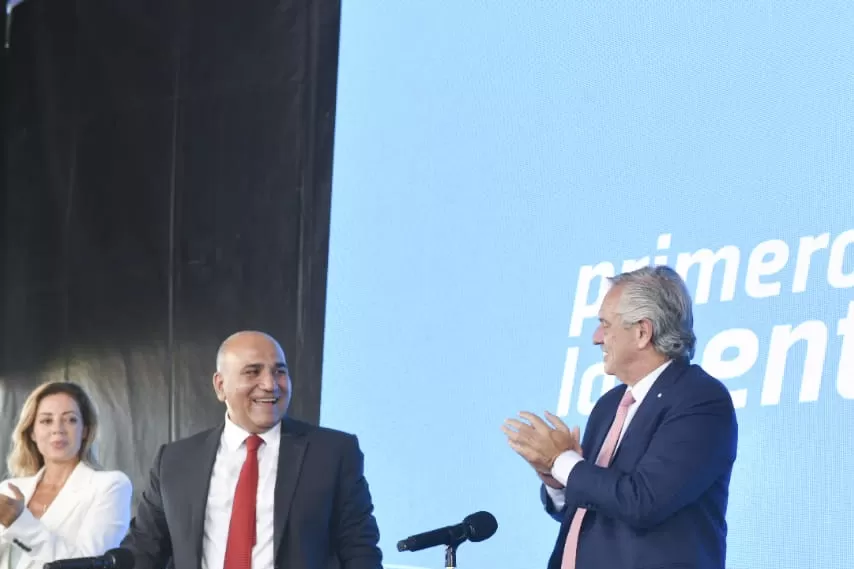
494, 159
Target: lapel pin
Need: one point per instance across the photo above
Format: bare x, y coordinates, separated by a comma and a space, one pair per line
659, 395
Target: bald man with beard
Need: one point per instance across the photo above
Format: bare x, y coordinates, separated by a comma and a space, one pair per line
260, 491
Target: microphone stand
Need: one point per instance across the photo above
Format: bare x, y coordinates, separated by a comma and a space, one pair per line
451, 549
451, 556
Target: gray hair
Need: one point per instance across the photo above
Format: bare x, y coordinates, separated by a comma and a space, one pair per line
659, 294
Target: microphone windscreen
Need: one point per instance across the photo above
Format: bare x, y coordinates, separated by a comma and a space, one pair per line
120, 558
480, 526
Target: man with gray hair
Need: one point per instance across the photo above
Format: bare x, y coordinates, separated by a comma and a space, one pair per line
648, 484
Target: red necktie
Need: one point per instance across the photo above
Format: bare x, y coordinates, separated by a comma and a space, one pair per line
241, 531
603, 460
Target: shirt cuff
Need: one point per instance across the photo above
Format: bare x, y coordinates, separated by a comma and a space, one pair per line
557, 498
564, 464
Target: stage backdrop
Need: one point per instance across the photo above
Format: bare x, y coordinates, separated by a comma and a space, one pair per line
494, 162
168, 184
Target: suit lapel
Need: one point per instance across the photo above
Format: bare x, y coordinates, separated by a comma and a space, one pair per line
196, 481
651, 404
291, 452
601, 429
67, 500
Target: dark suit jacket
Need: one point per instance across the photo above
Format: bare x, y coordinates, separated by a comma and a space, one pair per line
323, 515
662, 503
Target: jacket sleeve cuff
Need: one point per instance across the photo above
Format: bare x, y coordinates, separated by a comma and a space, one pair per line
24, 529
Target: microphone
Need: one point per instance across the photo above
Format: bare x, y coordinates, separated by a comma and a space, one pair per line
476, 527
118, 558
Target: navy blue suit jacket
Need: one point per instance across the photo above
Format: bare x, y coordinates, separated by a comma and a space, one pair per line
662, 502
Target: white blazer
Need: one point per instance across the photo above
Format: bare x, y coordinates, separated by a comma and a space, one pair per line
89, 516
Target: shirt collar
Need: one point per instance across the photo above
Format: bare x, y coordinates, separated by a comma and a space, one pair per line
233, 436
642, 387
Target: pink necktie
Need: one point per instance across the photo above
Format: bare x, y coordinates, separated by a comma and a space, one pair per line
603, 460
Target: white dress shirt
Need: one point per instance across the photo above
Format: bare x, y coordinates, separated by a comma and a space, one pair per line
229, 460
566, 462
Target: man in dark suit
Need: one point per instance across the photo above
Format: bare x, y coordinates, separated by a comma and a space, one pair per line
648, 485
260, 491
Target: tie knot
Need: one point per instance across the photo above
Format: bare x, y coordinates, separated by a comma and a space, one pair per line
253, 442
627, 399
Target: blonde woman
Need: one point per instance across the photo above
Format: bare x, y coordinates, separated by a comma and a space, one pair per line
60, 504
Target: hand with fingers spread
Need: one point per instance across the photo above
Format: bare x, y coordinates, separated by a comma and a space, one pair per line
11, 508
540, 443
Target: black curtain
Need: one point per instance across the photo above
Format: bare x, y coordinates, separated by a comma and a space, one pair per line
168, 182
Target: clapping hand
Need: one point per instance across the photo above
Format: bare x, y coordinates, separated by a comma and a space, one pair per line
11, 508
540, 443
